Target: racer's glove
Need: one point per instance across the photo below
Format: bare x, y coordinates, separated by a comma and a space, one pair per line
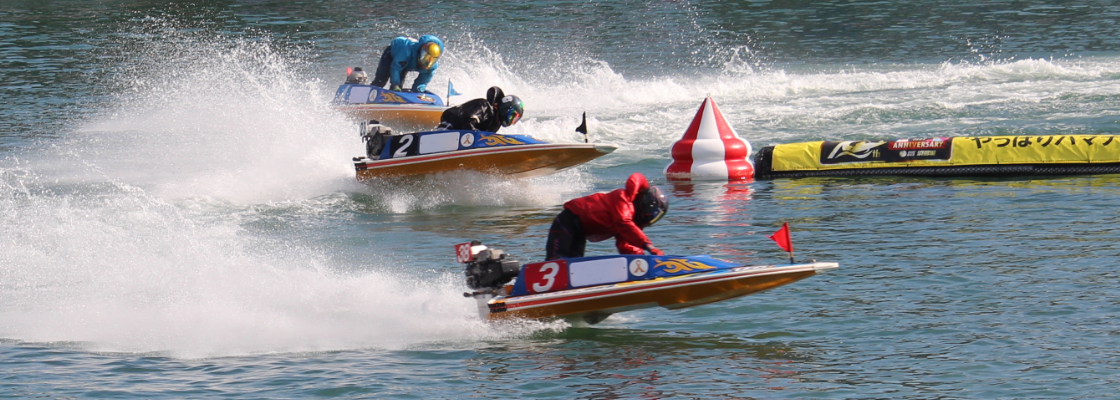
655, 251
395, 88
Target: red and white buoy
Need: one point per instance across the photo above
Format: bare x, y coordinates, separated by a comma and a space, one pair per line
710, 149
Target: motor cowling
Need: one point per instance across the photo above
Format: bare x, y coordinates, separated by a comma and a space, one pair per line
490, 269
376, 136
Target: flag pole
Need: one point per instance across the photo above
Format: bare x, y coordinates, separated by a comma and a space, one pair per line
451, 92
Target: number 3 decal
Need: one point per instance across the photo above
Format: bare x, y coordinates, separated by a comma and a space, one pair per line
546, 276
549, 277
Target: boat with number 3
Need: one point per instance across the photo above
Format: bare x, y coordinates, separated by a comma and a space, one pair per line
590, 289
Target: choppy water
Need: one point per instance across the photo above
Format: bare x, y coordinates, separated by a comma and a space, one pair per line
179, 218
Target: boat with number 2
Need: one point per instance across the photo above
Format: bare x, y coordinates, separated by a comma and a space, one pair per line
515, 156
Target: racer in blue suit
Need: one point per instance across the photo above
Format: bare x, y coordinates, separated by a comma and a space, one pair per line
406, 54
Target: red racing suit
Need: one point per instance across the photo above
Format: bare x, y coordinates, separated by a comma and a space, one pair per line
607, 215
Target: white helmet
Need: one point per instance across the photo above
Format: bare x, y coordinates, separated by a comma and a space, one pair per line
358, 77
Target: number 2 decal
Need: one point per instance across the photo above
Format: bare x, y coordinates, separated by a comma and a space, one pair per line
406, 141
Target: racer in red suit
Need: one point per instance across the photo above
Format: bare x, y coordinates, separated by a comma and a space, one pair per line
620, 214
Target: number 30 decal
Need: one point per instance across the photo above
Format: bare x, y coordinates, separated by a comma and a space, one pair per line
546, 276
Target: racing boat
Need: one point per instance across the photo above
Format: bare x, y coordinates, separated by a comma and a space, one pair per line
420, 153
590, 289
402, 110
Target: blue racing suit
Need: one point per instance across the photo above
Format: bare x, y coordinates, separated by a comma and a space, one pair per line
400, 57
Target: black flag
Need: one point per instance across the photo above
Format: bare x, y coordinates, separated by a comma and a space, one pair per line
582, 128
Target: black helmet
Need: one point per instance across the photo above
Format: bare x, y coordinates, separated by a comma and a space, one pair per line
510, 110
494, 95
650, 206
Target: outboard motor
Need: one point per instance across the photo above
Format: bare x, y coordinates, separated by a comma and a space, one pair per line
487, 272
489, 269
375, 135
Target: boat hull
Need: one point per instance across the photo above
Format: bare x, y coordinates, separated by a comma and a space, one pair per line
404, 117
522, 161
592, 304
399, 110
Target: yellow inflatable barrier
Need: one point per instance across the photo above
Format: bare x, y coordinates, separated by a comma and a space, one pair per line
955, 156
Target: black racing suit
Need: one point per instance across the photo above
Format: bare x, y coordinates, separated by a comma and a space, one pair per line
474, 115
381, 77
565, 238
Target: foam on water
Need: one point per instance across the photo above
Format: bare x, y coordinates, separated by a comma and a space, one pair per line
116, 269
474, 189
130, 234
232, 118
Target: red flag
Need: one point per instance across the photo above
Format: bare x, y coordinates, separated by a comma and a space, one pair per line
783, 239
